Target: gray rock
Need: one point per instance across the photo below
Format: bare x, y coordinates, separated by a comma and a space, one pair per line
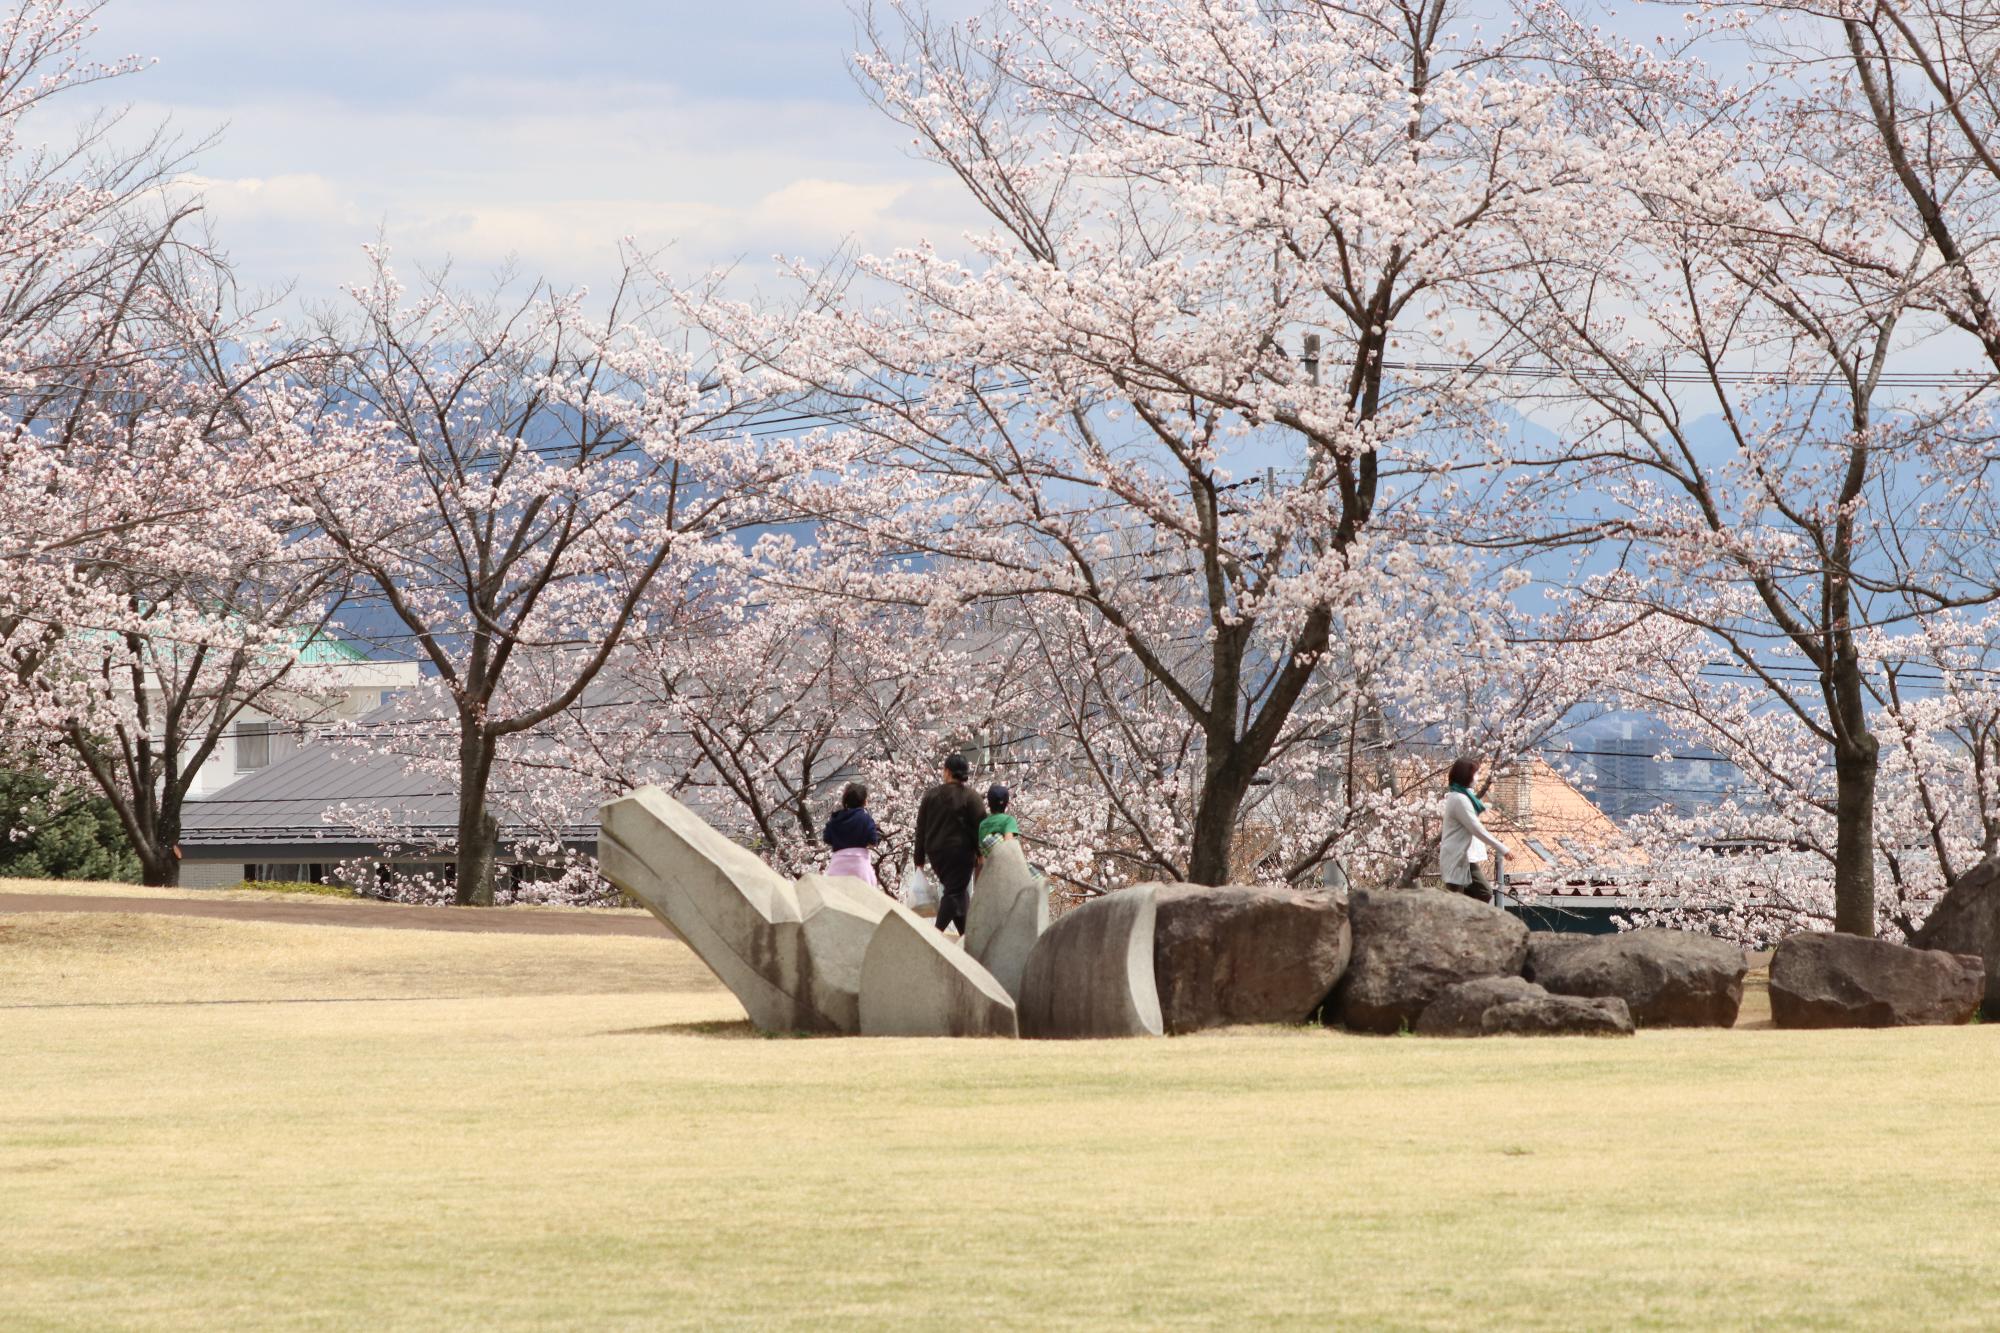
916, 983
1967, 920
1236, 954
740, 916
1410, 945
1846, 981
1515, 1006
1091, 973
1544, 946
1009, 912
1667, 978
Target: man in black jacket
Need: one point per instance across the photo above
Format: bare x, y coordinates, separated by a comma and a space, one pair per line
948, 838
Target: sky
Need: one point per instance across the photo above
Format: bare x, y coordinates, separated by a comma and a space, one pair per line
543, 132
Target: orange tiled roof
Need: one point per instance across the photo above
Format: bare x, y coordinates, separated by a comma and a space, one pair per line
1550, 827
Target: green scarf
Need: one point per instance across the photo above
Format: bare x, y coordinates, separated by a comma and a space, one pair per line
1478, 806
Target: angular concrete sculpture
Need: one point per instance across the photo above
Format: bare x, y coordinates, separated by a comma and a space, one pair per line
1009, 912
916, 983
741, 917
1091, 973
838, 919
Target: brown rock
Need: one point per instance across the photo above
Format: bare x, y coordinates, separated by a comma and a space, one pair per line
1967, 920
1515, 1006
1245, 955
1845, 981
1410, 945
1667, 978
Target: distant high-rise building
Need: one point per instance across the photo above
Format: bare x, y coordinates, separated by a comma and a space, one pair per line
1616, 761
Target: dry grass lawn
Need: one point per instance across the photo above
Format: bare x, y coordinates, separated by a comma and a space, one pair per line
89, 888
436, 1131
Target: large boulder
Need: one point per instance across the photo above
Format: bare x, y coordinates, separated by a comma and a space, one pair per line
1667, 978
838, 916
740, 916
1515, 1006
1009, 912
916, 983
1967, 920
1245, 955
1410, 945
1091, 973
1846, 981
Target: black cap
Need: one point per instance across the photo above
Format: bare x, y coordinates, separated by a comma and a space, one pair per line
997, 794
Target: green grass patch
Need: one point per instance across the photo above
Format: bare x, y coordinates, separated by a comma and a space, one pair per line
297, 886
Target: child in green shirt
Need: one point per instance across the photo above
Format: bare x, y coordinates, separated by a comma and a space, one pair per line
997, 825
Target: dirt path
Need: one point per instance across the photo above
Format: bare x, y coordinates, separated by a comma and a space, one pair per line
340, 912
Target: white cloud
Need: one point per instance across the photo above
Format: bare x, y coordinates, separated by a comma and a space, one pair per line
536, 172
494, 132
287, 198
830, 209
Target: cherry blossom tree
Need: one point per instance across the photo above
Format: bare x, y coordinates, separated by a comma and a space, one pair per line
1756, 867
89, 244
152, 419
1919, 80
788, 694
753, 701
149, 691
1106, 767
541, 478
1160, 391
1725, 325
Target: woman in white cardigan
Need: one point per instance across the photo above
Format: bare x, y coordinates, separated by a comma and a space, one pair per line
1462, 831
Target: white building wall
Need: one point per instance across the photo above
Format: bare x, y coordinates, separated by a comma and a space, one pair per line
367, 687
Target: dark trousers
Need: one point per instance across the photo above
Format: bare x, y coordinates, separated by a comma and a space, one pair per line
955, 876
1479, 890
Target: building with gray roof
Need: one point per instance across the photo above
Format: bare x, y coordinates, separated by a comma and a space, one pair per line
329, 802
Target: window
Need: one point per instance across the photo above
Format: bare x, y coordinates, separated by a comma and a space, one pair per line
253, 746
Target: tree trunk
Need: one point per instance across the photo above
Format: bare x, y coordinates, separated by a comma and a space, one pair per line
153, 834
160, 870
478, 830
1855, 765
478, 843
1224, 785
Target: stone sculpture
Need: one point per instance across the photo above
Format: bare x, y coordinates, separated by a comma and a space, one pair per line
1009, 912
739, 915
916, 983
839, 916
791, 953
1091, 973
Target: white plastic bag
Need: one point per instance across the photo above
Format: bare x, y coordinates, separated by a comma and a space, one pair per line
919, 892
